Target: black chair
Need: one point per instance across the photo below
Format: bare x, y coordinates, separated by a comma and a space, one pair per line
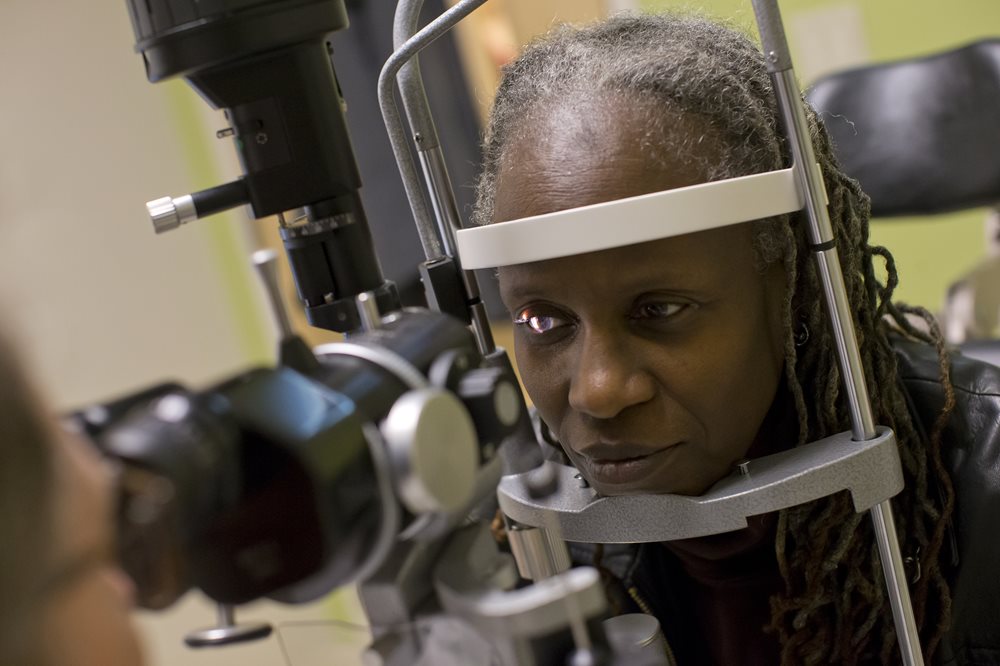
922, 136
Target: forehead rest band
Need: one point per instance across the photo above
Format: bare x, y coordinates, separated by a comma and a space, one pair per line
647, 217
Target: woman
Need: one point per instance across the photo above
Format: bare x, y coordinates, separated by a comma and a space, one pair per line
63, 599
658, 366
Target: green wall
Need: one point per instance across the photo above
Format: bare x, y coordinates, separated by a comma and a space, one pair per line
224, 243
930, 252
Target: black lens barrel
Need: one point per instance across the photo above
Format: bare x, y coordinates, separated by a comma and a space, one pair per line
176, 37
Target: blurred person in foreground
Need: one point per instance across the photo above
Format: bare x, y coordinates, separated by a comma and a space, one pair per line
64, 601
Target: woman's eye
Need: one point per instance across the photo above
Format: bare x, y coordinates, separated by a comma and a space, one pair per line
539, 323
656, 310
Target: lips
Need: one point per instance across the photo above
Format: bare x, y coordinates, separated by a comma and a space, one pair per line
622, 464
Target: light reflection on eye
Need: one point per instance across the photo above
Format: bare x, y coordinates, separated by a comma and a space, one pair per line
538, 323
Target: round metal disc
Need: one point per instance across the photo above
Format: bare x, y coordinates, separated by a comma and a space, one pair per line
217, 636
434, 450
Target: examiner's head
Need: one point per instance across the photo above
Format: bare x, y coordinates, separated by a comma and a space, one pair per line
65, 601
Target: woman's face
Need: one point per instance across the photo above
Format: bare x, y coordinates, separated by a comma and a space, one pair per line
654, 364
86, 620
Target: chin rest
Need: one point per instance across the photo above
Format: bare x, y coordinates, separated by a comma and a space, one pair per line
922, 136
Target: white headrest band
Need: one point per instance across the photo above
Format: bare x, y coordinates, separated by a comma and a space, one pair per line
634, 220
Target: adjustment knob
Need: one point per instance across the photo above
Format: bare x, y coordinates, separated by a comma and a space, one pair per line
168, 213
493, 399
433, 450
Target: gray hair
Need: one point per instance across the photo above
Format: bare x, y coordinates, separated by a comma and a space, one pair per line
669, 66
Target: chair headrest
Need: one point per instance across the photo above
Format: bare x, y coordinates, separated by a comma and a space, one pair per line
922, 136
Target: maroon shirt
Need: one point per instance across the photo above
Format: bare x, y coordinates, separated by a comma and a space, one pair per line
730, 580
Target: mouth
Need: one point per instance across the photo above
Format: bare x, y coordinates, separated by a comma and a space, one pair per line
623, 467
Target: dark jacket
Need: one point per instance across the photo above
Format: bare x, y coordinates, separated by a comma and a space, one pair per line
972, 551
972, 455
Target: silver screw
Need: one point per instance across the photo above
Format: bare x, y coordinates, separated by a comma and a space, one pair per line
580, 480
772, 56
744, 467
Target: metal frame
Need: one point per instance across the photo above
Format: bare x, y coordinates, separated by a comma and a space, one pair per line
779, 63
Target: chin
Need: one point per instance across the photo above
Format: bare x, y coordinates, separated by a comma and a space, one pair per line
649, 486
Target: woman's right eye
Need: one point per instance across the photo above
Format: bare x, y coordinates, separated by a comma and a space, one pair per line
540, 322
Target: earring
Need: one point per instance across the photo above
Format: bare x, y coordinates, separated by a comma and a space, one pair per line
801, 334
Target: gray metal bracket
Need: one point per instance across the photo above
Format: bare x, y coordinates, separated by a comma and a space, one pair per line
869, 470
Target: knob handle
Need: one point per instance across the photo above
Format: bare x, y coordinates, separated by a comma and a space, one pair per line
265, 261
168, 213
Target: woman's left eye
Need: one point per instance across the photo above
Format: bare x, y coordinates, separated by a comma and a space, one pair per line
658, 310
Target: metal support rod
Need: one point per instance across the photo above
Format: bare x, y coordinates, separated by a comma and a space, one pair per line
435, 172
538, 551
446, 213
406, 21
779, 64
393, 123
423, 131
225, 615
828, 262
443, 202
842, 323
265, 261
368, 313
423, 128
481, 329
895, 581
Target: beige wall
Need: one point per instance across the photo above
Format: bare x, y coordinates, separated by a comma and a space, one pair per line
492, 35
100, 304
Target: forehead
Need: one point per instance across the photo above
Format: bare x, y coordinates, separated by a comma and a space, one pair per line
576, 152
607, 149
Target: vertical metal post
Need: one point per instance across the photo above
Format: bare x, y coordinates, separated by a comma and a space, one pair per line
779, 64
403, 63
265, 261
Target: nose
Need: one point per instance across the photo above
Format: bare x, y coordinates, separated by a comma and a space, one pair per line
608, 377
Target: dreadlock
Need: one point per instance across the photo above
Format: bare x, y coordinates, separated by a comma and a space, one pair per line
833, 607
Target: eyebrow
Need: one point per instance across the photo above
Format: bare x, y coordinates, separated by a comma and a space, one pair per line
518, 292
525, 289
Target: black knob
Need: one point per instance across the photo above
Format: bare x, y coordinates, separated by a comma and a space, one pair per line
493, 399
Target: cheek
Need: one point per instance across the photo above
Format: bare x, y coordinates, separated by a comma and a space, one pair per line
746, 377
541, 379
